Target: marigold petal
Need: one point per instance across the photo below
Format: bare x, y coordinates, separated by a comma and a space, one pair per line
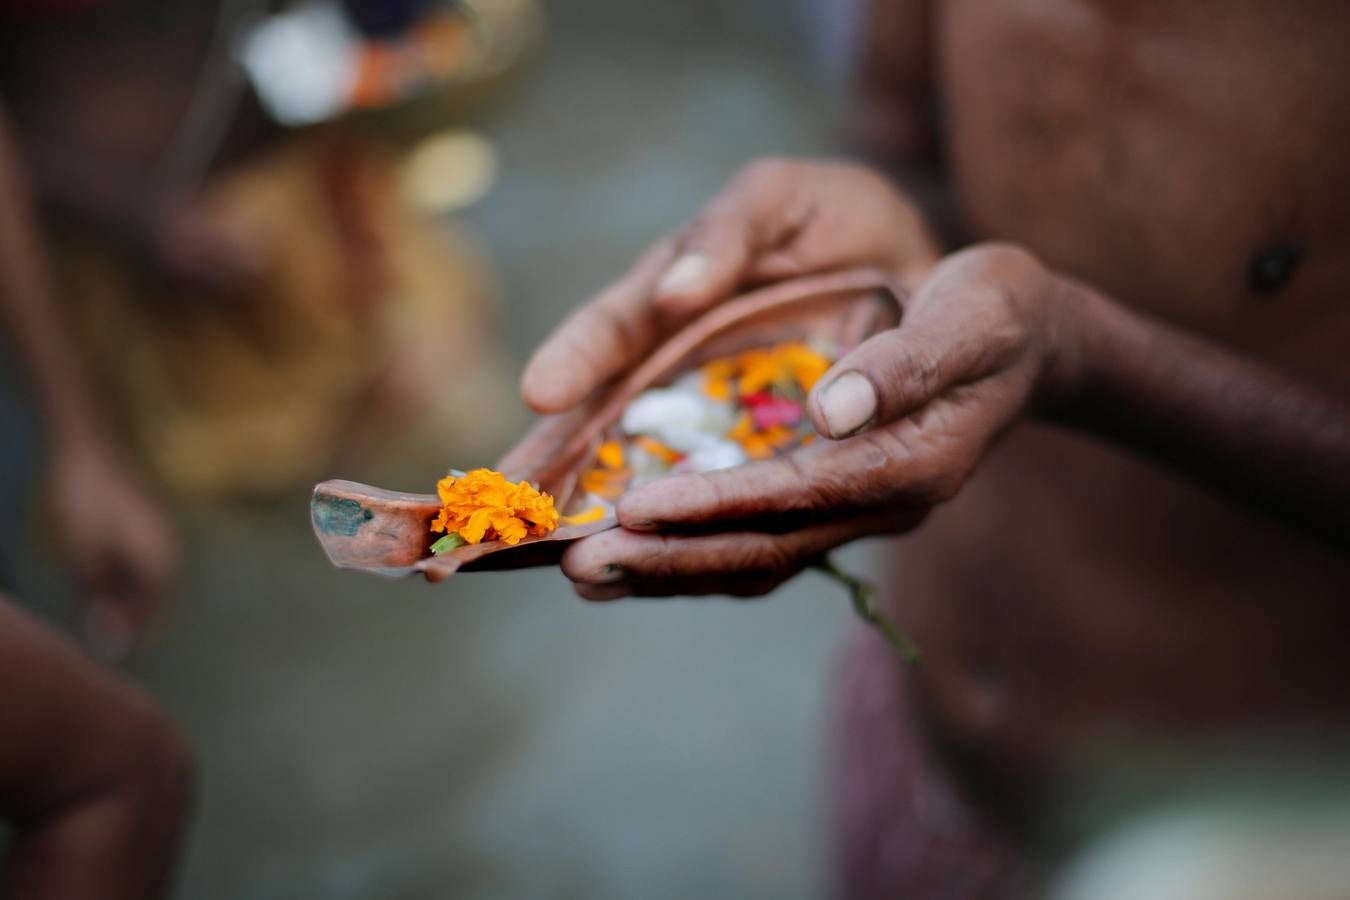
587, 516
610, 455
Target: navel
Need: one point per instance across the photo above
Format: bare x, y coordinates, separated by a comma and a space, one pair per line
1272, 267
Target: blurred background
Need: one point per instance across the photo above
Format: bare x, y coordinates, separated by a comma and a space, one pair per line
279, 266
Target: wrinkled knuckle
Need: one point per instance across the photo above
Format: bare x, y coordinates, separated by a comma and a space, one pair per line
778, 556
662, 557
936, 483
1005, 256
922, 374
815, 491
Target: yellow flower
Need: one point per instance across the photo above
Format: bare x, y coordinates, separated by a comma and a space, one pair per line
655, 448
607, 483
717, 376
760, 444
610, 455
586, 516
805, 364
482, 505
758, 370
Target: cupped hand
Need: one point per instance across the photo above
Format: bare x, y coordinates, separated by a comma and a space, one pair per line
117, 543
909, 413
777, 219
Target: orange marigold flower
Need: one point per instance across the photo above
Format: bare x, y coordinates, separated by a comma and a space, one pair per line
482, 505
717, 377
805, 364
758, 370
760, 444
754, 443
658, 449
610, 455
606, 483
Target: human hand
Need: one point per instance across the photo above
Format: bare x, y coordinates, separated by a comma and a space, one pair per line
202, 248
909, 413
117, 543
777, 219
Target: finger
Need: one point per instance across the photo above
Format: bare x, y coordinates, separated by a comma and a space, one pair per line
754, 214
598, 340
955, 331
673, 282
962, 325
875, 470
708, 586
634, 557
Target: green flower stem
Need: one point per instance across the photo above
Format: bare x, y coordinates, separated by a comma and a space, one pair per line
864, 596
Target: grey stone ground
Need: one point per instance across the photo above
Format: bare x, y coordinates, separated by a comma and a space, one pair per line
494, 737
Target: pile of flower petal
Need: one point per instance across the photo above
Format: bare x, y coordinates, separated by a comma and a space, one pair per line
732, 410
482, 505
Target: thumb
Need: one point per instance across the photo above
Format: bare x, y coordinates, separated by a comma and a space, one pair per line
756, 211
893, 374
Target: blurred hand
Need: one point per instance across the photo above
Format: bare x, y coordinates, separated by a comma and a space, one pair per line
777, 219
909, 413
207, 251
116, 541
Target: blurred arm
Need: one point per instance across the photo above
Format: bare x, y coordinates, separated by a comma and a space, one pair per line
90, 772
118, 545
28, 309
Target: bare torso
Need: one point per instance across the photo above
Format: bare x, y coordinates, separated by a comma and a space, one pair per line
1189, 159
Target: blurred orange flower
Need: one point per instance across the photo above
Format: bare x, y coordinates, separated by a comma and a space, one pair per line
781, 366
760, 444
610, 455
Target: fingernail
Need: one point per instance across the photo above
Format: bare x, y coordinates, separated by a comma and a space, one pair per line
607, 575
685, 274
848, 403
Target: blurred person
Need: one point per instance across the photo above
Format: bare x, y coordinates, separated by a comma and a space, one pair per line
1115, 420
117, 542
238, 304
93, 778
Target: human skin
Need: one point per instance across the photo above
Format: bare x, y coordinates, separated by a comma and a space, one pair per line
1155, 542
989, 337
117, 542
92, 775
